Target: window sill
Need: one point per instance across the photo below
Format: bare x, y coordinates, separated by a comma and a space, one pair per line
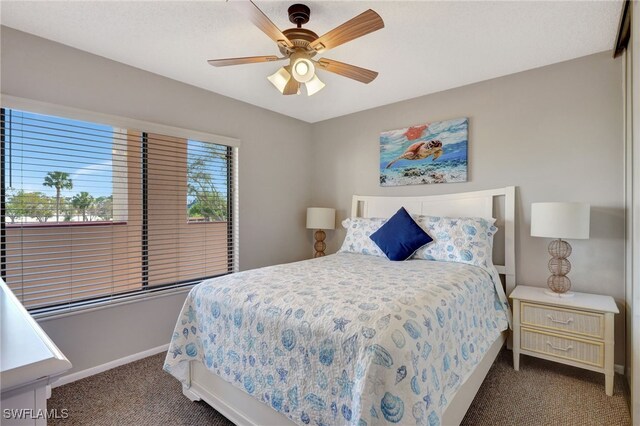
107, 304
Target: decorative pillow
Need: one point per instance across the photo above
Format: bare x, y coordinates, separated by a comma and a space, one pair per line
359, 229
400, 236
458, 239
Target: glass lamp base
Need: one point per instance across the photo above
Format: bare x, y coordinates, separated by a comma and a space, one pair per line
554, 294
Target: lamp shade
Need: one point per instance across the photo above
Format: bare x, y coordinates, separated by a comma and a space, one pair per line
321, 218
280, 79
314, 85
560, 220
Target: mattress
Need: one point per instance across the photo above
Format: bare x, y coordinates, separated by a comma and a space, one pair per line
344, 339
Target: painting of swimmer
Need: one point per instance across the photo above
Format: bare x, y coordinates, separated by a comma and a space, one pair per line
429, 153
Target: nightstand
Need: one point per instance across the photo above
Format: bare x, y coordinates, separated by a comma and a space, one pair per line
576, 330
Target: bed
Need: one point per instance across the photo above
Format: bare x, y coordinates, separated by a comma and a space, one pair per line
351, 338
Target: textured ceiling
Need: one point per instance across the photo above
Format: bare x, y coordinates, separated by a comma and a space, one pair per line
425, 47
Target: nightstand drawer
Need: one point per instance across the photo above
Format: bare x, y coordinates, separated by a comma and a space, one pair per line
579, 350
560, 319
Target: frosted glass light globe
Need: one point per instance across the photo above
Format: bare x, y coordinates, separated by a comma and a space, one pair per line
302, 68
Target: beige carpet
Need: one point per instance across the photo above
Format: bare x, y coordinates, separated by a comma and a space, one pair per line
546, 393
541, 393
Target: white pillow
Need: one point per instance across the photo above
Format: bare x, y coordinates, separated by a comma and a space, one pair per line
458, 239
359, 229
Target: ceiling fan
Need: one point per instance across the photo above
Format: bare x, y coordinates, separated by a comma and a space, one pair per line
300, 45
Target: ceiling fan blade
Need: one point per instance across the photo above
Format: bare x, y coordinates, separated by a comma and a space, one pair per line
350, 71
261, 21
246, 60
363, 24
292, 87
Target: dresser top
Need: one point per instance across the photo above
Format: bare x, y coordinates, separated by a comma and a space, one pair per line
27, 353
592, 302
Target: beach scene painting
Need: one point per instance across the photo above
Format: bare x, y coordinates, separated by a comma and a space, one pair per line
429, 153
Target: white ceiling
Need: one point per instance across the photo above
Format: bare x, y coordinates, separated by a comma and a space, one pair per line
424, 48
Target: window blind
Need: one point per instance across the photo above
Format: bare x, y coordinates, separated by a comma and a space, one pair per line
93, 213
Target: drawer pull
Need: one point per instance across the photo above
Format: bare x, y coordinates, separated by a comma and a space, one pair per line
558, 348
567, 322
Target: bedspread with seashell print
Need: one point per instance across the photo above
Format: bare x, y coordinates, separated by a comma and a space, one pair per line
346, 339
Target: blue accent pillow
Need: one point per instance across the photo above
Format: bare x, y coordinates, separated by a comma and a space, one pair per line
400, 236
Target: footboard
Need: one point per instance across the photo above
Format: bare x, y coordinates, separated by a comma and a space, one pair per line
244, 410
230, 401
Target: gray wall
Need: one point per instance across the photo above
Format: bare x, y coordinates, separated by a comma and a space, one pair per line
274, 175
555, 132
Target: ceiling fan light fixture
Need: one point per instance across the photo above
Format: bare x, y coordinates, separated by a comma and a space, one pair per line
303, 70
280, 79
314, 85
298, 45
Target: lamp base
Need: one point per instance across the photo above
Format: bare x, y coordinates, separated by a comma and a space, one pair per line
320, 245
560, 295
559, 266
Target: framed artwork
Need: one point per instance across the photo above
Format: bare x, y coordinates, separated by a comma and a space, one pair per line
429, 153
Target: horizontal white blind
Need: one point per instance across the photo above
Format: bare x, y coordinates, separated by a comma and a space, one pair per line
92, 213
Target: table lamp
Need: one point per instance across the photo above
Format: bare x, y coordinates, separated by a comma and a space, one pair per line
320, 218
560, 221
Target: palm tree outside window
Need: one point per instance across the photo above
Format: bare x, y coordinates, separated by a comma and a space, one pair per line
59, 181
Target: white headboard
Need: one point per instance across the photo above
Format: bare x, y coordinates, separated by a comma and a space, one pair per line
471, 204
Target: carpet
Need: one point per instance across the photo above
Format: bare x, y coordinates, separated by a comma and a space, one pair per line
541, 393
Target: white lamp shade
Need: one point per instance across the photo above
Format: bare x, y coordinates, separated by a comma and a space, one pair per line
560, 220
321, 218
280, 79
314, 85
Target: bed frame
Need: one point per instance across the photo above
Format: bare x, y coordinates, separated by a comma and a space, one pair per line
244, 410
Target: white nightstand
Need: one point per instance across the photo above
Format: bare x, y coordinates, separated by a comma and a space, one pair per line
574, 330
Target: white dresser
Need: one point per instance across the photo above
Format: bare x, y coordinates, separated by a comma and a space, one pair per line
576, 330
29, 361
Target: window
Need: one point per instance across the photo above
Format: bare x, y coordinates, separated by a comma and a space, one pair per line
182, 247
207, 181
92, 213
61, 170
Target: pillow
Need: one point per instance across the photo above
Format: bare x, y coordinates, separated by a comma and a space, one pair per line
458, 239
359, 229
400, 236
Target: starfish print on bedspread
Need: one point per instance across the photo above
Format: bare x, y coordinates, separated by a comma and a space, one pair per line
340, 323
176, 351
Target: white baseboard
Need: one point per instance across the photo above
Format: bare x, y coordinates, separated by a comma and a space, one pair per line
108, 366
